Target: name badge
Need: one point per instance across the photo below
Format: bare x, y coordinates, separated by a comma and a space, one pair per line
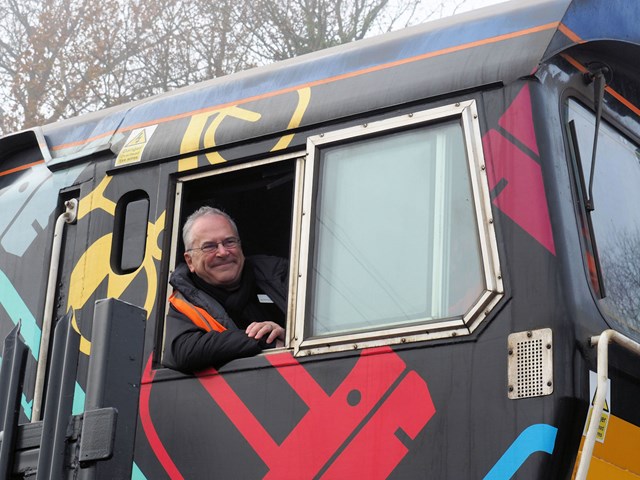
263, 298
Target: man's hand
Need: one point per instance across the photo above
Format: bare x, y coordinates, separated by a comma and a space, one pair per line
274, 331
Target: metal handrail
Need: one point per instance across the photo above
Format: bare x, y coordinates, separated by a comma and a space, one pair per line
68, 216
602, 341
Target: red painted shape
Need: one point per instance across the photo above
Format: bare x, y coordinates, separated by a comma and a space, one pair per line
149, 429
518, 120
376, 450
331, 419
523, 199
239, 414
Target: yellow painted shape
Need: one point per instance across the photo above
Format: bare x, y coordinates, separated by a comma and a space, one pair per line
619, 456
94, 266
96, 199
304, 96
197, 124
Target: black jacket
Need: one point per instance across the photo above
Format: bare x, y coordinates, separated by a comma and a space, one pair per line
188, 348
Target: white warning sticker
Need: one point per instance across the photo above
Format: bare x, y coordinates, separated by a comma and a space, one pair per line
132, 150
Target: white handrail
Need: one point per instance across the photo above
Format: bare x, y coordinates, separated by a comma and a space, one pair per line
603, 340
68, 216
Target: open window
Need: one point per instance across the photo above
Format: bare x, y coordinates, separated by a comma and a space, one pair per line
259, 196
397, 238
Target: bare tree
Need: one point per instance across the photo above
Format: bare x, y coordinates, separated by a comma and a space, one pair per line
61, 58
288, 28
621, 267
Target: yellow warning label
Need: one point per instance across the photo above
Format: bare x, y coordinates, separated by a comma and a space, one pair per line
138, 139
602, 425
132, 150
604, 417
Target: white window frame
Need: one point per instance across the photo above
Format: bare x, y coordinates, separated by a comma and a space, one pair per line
177, 221
466, 112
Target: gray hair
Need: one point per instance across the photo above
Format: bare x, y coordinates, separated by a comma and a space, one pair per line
202, 212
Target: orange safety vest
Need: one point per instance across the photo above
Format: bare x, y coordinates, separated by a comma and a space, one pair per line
199, 316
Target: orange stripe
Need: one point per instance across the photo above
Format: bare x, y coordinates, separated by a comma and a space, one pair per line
582, 69
356, 73
197, 315
22, 167
570, 33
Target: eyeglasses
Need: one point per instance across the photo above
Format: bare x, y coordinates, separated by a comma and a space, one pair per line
212, 247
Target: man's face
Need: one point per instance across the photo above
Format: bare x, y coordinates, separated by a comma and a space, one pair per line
223, 267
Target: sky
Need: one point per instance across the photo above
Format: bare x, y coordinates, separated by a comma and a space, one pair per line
473, 4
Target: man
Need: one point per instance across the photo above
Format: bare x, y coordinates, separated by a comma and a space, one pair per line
224, 306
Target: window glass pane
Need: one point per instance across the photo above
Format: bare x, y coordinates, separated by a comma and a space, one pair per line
616, 218
395, 234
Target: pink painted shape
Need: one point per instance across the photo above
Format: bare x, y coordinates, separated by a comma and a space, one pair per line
523, 199
376, 451
331, 419
518, 120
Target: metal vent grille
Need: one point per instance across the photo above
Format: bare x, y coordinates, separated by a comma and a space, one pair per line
530, 364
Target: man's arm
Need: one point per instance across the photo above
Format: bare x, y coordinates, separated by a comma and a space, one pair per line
191, 349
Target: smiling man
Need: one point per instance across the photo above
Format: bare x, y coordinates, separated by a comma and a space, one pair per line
224, 306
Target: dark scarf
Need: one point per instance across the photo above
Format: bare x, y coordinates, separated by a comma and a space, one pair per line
241, 303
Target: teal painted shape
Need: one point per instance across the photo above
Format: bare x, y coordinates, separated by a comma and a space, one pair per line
17, 310
78, 400
136, 473
26, 406
536, 438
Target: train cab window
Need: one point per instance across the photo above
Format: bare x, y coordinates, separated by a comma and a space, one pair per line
396, 240
130, 232
258, 196
614, 221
